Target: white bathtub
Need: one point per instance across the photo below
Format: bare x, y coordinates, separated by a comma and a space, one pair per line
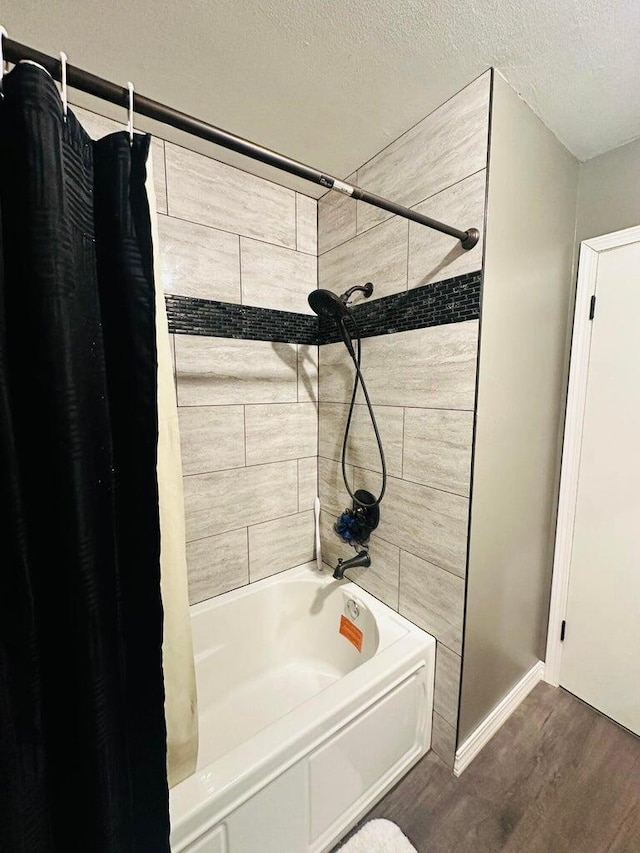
300, 733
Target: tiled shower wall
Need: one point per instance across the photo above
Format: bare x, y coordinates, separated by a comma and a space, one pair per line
422, 382
247, 408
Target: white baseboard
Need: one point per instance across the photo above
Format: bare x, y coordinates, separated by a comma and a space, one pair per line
500, 714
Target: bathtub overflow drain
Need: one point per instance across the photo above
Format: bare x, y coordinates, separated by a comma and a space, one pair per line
352, 609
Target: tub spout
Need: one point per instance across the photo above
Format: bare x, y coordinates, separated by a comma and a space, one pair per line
361, 559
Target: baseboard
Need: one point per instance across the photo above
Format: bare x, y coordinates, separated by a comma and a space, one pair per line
500, 714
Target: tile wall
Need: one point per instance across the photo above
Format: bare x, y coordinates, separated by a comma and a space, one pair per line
247, 408
421, 381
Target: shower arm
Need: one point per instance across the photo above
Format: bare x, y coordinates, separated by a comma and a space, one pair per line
77, 78
367, 289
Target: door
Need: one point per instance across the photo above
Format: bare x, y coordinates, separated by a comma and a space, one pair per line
601, 650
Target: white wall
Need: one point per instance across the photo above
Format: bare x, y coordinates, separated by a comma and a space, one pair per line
528, 282
609, 193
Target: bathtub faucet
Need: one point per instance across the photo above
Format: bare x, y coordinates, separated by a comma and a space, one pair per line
361, 559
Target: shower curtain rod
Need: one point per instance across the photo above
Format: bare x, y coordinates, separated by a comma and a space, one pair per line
107, 91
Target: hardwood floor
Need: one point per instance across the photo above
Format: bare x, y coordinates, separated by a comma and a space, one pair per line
557, 778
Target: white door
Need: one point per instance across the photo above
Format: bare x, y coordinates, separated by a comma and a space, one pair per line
601, 650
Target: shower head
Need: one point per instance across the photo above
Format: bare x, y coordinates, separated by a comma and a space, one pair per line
327, 304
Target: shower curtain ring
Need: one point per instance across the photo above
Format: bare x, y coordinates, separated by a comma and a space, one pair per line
130, 122
63, 82
3, 35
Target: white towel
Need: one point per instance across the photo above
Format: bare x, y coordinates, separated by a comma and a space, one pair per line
378, 836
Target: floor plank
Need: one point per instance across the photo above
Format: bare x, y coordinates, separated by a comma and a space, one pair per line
557, 778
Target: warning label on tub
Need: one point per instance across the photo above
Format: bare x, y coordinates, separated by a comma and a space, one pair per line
351, 632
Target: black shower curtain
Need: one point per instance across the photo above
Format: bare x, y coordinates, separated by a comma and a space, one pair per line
82, 730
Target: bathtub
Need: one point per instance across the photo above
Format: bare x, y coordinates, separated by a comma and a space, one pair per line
314, 699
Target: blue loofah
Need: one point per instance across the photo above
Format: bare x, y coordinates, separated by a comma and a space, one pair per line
344, 528
351, 528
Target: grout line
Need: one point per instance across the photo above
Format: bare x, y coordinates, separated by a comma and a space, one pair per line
395, 406
248, 557
224, 163
243, 467
408, 244
236, 234
433, 111
355, 175
391, 216
404, 413
240, 269
237, 403
247, 526
166, 173
244, 433
279, 518
333, 515
172, 349
240, 295
219, 230
413, 482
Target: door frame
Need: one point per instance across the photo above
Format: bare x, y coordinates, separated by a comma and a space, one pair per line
572, 443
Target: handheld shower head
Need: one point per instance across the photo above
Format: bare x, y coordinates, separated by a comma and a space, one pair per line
327, 304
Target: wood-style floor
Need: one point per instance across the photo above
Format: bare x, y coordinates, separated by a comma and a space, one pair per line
557, 778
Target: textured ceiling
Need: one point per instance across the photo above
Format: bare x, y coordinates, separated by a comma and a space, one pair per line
331, 82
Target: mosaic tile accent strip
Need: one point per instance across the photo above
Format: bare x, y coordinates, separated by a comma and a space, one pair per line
190, 316
453, 300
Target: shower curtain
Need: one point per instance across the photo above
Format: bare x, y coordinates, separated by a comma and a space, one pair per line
82, 726
180, 706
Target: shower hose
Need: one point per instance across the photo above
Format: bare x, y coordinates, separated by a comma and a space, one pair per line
356, 357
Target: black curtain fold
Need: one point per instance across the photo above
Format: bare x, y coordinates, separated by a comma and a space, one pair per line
82, 731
